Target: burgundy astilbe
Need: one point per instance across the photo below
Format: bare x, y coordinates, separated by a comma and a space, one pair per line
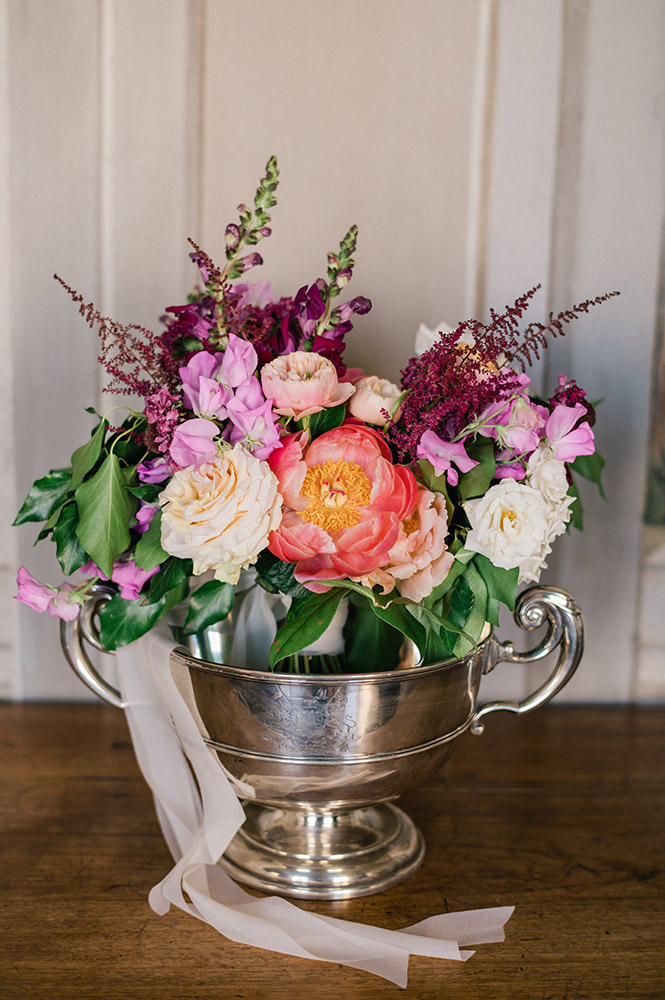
131, 354
446, 389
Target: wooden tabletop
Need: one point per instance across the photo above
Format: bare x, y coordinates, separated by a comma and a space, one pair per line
561, 813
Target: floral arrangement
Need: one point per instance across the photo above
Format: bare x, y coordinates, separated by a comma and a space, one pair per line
257, 450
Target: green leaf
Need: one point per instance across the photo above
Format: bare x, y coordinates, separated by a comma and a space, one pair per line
121, 621
105, 509
277, 577
475, 623
71, 555
576, 512
590, 467
501, 583
148, 492
402, 618
371, 644
174, 573
86, 457
149, 552
45, 496
326, 420
210, 604
475, 483
314, 615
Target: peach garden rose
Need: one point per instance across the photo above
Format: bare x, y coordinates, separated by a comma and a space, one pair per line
303, 383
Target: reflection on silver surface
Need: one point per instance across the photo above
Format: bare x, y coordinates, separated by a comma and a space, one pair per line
325, 755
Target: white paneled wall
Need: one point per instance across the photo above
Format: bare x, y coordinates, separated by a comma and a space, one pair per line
480, 145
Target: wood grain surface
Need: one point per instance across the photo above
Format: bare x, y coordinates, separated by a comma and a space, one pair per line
561, 813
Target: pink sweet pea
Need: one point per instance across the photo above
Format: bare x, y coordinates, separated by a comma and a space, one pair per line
441, 454
41, 597
253, 420
255, 293
565, 439
130, 578
201, 388
239, 362
193, 443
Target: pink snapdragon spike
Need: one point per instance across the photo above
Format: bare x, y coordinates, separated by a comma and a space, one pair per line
193, 443
565, 439
155, 470
41, 597
130, 578
239, 362
441, 455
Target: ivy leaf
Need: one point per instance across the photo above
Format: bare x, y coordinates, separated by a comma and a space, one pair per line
69, 551
149, 552
174, 573
121, 621
590, 467
105, 509
314, 615
210, 604
277, 577
45, 496
501, 583
86, 457
476, 482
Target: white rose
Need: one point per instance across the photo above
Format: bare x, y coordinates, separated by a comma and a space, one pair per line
221, 514
547, 475
372, 396
426, 338
511, 526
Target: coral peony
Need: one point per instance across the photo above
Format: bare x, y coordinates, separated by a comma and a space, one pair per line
344, 502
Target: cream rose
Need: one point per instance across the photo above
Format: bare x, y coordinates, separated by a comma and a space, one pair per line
547, 474
221, 514
302, 383
512, 525
373, 395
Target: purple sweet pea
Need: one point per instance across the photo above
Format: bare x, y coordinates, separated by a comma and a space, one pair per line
441, 454
193, 442
565, 439
155, 470
144, 516
239, 362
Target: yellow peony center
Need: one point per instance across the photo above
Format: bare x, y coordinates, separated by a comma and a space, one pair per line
335, 491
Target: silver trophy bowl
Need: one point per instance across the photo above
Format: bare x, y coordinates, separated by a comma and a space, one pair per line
328, 755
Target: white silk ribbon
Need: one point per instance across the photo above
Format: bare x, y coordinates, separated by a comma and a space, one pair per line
199, 812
